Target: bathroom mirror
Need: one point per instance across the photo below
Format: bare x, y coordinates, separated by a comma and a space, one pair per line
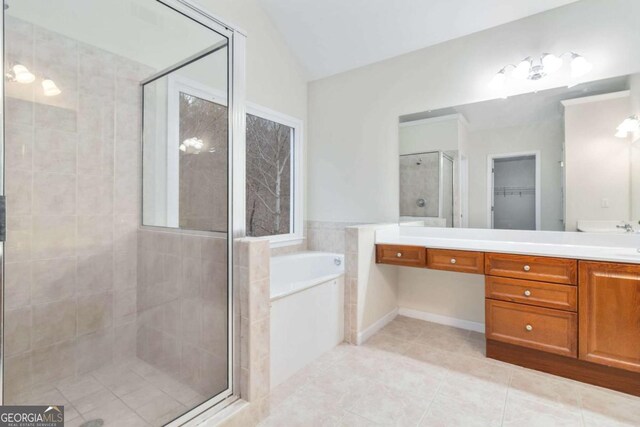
562, 159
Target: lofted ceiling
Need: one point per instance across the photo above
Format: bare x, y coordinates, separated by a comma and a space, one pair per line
332, 36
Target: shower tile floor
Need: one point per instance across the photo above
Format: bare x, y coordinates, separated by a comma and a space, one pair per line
129, 393
415, 373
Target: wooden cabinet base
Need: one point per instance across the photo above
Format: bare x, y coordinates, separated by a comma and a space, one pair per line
575, 369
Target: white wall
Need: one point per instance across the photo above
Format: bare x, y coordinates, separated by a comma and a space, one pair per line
590, 145
437, 134
353, 136
377, 284
454, 295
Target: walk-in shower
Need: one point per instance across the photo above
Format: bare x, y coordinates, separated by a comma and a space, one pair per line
118, 136
427, 186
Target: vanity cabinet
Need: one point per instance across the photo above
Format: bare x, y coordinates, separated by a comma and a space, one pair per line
573, 318
610, 314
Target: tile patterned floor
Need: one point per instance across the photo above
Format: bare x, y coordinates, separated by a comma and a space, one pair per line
129, 394
415, 373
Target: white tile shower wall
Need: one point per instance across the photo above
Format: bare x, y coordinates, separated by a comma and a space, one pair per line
72, 186
182, 307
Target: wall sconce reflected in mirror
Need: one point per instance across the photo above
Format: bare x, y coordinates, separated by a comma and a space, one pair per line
50, 88
630, 125
19, 73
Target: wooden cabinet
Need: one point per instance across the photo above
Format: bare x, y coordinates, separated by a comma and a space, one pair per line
410, 256
544, 269
609, 304
537, 317
552, 331
541, 294
452, 260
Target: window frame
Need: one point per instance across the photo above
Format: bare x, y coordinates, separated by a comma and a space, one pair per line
177, 84
296, 236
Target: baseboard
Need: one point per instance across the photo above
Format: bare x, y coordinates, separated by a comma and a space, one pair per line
443, 320
376, 326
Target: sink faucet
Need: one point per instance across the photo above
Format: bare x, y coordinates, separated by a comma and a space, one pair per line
627, 227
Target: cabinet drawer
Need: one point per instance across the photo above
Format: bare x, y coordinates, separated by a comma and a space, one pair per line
544, 269
461, 261
545, 329
412, 256
551, 295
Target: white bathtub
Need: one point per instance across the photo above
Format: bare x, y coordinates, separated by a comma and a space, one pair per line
307, 310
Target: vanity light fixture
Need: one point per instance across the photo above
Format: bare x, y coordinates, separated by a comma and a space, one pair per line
191, 145
20, 74
630, 125
50, 88
530, 69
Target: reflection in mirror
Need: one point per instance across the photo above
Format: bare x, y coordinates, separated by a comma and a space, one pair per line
559, 159
185, 145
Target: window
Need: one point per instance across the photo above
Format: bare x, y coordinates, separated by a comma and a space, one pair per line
196, 153
273, 192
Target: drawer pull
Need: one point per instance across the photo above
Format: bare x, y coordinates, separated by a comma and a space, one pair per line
399, 254
527, 293
527, 268
529, 328
453, 260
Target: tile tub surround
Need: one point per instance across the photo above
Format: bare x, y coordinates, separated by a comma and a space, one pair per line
182, 307
417, 373
72, 186
327, 236
253, 296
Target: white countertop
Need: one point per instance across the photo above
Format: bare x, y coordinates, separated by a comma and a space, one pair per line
586, 246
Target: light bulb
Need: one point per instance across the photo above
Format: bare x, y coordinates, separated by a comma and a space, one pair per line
22, 74
621, 134
579, 66
551, 63
50, 88
630, 124
498, 80
522, 69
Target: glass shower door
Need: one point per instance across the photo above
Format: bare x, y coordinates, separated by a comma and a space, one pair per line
121, 323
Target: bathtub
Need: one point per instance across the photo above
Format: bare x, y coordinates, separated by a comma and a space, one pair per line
307, 310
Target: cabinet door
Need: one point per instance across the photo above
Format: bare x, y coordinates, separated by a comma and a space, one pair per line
609, 296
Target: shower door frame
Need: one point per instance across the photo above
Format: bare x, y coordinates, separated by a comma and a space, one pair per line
441, 156
236, 39
236, 42
4, 214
